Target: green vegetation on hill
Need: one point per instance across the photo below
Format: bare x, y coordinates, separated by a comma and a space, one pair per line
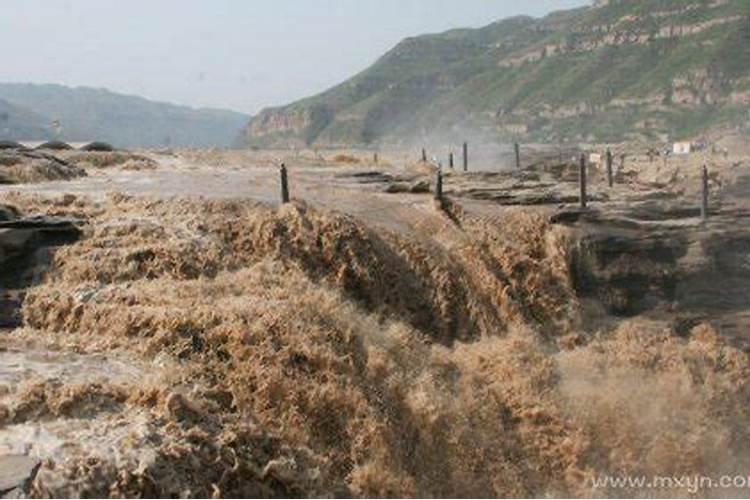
87, 114
625, 70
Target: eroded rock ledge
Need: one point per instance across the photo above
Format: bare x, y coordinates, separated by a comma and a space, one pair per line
24, 245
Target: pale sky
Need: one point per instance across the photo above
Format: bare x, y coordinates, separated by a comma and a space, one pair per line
235, 54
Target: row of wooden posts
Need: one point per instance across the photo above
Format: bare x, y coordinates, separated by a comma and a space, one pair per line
582, 181
451, 158
582, 176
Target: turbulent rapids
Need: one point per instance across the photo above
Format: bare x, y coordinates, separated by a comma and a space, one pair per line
502, 261
207, 347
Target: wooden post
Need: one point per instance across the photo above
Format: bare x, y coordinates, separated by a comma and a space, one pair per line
284, 185
517, 149
439, 184
466, 156
424, 155
375, 158
704, 193
610, 173
450, 160
582, 181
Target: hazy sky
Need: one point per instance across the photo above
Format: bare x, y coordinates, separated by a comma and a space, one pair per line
237, 54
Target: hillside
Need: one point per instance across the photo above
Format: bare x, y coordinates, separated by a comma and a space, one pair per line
17, 123
126, 121
617, 70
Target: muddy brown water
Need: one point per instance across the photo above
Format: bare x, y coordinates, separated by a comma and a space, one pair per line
57, 437
632, 212
641, 223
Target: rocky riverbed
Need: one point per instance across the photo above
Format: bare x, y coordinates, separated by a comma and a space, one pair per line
177, 333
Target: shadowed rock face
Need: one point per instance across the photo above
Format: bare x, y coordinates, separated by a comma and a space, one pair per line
674, 265
7, 213
628, 268
24, 242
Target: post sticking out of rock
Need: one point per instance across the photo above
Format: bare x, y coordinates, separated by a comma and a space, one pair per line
439, 184
704, 193
466, 156
517, 149
284, 184
610, 173
582, 181
424, 155
450, 160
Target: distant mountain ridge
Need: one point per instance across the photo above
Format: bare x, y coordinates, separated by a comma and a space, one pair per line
18, 123
41, 112
617, 70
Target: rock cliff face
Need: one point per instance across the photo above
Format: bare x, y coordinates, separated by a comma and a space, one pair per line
617, 70
23, 243
289, 127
